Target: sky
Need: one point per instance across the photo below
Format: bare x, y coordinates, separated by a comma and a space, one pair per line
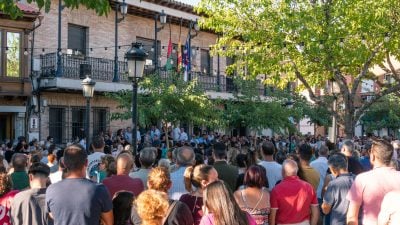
190, 2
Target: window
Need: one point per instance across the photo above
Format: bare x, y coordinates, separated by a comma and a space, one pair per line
78, 122
148, 45
77, 39
13, 54
57, 124
10, 53
230, 61
206, 62
100, 120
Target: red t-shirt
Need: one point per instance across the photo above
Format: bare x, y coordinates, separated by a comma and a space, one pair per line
293, 199
5, 204
123, 183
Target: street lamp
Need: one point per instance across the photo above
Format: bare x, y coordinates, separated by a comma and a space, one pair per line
163, 21
88, 90
136, 58
124, 10
59, 71
192, 26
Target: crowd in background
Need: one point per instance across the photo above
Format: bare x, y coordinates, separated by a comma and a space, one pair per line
206, 178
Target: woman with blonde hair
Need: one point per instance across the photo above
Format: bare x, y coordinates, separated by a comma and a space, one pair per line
178, 213
152, 206
196, 179
221, 208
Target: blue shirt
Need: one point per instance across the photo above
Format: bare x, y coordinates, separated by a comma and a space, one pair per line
365, 163
77, 201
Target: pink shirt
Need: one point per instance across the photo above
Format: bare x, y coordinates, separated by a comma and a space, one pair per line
369, 188
209, 220
390, 211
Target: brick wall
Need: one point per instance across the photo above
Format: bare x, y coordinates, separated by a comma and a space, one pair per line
101, 33
69, 100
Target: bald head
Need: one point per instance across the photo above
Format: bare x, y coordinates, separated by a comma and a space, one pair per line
289, 168
124, 164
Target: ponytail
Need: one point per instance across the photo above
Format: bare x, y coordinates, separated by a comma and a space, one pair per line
187, 178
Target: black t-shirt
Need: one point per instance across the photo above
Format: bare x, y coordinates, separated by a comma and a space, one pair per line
8, 155
180, 215
77, 201
355, 166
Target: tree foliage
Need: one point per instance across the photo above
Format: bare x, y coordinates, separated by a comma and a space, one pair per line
383, 114
312, 42
168, 100
277, 109
101, 7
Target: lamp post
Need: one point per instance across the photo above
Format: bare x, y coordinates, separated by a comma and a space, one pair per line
136, 58
124, 11
59, 67
192, 26
88, 90
163, 21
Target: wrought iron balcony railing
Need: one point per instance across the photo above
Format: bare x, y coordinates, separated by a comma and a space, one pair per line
103, 70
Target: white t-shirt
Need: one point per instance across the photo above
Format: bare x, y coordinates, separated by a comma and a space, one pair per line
320, 165
183, 136
55, 177
176, 133
274, 173
93, 163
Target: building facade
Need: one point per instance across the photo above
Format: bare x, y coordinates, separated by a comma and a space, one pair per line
15, 85
89, 39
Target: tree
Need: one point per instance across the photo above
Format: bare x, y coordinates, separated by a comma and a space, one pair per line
384, 114
102, 7
170, 100
250, 110
312, 42
277, 110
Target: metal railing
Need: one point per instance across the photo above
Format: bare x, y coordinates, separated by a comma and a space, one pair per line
103, 70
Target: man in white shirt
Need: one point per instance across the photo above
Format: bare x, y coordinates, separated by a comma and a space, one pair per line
184, 158
128, 134
176, 133
154, 132
321, 165
274, 169
183, 136
95, 159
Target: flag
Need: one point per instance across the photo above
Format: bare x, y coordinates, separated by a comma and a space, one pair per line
179, 58
169, 64
179, 54
186, 58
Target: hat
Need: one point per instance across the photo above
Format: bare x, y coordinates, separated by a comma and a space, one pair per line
39, 168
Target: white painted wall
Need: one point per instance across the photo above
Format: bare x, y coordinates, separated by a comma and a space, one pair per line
305, 127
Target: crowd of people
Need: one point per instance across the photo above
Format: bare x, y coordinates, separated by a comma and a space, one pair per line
207, 179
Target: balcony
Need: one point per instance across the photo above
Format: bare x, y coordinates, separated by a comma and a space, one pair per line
102, 70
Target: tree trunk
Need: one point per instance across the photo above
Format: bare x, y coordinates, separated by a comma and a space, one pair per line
166, 135
349, 121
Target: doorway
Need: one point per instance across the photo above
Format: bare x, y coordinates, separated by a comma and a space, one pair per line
6, 126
